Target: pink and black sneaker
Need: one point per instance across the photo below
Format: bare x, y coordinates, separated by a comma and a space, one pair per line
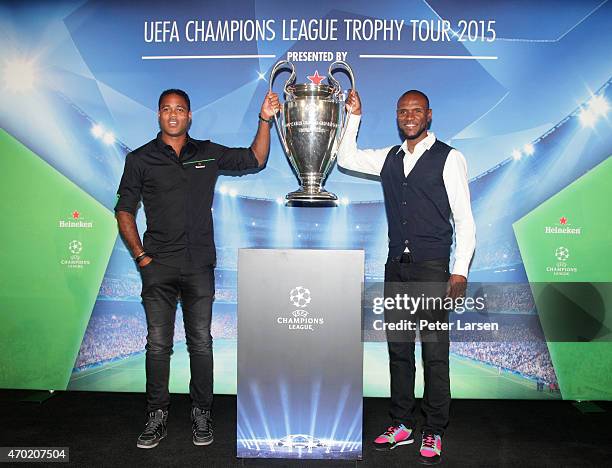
431, 448
393, 437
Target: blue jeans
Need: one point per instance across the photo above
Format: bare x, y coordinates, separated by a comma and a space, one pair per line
162, 286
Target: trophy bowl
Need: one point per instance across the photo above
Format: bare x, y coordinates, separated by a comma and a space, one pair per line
311, 125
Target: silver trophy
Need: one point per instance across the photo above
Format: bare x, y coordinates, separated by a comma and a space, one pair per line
311, 126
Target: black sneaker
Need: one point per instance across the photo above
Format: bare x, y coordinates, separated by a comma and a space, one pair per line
202, 426
154, 431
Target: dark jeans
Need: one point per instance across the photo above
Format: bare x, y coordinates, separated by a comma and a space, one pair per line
162, 285
434, 345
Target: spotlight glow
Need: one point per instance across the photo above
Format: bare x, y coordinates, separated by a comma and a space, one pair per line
596, 108
599, 106
108, 138
223, 190
516, 154
528, 149
19, 75
261, 76
233, 192
587, 118
344, 201
279, 201
97, 131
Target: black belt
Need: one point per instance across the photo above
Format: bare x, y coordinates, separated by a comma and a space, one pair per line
406, 257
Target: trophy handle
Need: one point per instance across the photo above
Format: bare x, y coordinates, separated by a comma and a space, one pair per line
345, 114
291, 80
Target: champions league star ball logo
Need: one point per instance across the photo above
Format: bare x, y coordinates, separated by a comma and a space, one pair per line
300, 297
75, 247
300, 319
562, 254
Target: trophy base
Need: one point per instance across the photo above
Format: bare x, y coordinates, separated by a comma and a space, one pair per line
305, 199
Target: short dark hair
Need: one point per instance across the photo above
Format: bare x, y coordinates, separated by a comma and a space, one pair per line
179, 92
417, 92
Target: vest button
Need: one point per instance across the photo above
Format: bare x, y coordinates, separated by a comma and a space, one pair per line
406, 242
404, 222
405, 184
404, 202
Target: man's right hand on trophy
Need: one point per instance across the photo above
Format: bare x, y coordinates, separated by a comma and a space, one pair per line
353, 103
270, 106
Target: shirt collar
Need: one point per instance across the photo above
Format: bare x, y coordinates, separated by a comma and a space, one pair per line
161, 144
422, 146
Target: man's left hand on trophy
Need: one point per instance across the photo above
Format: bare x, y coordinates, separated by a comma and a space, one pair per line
270, 106
353, 102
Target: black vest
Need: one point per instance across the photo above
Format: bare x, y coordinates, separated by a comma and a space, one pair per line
418, 211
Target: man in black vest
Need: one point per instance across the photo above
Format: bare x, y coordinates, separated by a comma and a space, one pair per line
427, 200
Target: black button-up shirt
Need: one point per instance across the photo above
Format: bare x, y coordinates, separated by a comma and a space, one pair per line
177, 195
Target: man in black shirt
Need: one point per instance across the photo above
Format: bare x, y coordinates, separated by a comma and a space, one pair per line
174, 175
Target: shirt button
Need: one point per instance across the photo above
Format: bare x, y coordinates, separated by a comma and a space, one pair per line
404, 222
406, 242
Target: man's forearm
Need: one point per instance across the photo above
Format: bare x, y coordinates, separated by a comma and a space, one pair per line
261, 143
129, 232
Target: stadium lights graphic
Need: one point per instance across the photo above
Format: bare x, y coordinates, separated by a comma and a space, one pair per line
587, 113
20, 75
225, 190
100, 133
527, 150
596, 108
337, 439
233, 192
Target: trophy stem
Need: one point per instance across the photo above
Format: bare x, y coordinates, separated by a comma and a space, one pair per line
311, 193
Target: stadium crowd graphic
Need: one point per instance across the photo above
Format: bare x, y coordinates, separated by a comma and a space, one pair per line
113, 335
265, 223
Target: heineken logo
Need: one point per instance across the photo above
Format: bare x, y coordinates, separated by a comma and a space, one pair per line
563, 227
74, 220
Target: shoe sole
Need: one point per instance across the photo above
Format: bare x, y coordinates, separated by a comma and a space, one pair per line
388, 448
141, 446
425, 461
207, 442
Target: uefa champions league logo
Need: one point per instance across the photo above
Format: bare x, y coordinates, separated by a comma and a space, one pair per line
300, 319
75, 247
562, 268
562, 254
300, 297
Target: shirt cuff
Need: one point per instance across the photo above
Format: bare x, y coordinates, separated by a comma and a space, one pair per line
353, 123
461, 267
125, 207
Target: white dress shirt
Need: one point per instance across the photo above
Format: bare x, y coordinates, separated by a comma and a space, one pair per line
370, 161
